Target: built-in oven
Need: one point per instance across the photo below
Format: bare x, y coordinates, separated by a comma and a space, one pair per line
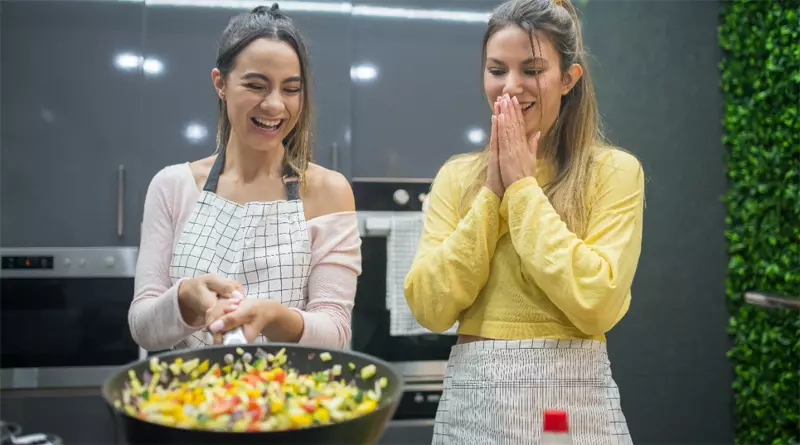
64, 315
420, 358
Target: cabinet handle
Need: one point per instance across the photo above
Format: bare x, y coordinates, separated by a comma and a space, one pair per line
120, 199
335, 156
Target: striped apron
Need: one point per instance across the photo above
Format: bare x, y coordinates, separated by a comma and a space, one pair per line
495, 392
262, 245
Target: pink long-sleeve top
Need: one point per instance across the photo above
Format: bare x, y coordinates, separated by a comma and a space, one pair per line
154, 317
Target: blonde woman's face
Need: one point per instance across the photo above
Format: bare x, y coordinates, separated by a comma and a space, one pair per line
532, 75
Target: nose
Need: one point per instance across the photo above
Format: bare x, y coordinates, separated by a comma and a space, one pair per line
513, 85
272, 102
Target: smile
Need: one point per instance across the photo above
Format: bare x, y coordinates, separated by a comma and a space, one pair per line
268, 125
526, 107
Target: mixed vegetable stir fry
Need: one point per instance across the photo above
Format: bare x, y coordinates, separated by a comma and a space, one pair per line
244, 394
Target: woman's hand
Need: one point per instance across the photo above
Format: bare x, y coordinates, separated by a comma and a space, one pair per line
517, 156
267, 317
494, 179
198, 297
252, 315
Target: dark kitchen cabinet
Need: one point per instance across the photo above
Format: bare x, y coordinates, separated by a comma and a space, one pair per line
70, 116
419, 99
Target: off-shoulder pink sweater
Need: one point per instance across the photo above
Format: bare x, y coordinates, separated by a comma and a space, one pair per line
154, 317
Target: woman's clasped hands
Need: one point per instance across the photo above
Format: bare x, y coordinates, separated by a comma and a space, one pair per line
220, 306
512, 154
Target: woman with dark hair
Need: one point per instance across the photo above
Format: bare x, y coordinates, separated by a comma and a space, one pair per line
531, 245
255, 239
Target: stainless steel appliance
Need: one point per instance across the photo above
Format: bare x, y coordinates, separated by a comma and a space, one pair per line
64, 315
421, 359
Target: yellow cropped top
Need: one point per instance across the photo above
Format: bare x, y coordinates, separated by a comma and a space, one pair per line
510, 268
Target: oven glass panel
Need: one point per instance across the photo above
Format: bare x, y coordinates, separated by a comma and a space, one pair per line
371, 321
60, 322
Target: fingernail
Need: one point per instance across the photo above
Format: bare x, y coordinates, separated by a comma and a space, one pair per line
237, 295
538, 133
516, 102
216, 326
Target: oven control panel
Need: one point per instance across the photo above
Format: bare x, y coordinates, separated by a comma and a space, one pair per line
68, 262
419, 402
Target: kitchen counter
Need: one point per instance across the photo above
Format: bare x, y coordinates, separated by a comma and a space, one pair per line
55, 378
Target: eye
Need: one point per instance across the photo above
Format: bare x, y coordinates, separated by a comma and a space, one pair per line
254, 86
531, 72
496, 71
293, 90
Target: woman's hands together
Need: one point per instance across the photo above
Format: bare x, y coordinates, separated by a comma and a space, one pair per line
204, 298
512, 155
252, 315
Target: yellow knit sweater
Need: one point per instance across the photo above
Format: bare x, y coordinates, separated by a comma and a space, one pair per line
510, 269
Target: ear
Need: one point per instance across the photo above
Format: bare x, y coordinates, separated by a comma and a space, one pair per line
570, 78
219, 82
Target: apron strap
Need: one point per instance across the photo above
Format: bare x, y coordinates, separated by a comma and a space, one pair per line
290, 179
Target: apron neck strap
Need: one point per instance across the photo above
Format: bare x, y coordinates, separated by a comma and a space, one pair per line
290, 177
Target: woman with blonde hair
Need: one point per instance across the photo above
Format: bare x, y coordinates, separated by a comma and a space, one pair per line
531, 245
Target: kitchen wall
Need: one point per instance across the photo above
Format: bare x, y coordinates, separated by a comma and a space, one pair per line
96, 96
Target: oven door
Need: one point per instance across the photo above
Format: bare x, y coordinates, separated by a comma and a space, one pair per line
64, 314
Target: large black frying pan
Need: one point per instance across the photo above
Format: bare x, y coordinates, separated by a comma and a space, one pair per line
365, 429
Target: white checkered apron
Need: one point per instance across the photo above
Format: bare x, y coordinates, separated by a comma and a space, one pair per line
262, 245
496, 391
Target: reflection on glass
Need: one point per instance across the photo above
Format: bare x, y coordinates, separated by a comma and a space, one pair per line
363, 73
195, 132
127, 61
131, 62
337, 8
476, 135
152, 67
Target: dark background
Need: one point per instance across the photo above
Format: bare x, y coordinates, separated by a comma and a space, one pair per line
69, 118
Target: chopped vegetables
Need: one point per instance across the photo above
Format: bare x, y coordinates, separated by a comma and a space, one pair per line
247, 394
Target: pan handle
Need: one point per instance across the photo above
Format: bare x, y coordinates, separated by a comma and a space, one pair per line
772, 301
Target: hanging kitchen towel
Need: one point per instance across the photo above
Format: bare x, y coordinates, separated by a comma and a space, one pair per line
401, 247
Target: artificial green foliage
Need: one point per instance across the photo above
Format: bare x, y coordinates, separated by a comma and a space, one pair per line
761, 85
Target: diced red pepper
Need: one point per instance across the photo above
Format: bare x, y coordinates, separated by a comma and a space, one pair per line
225, 406
280, 376
228, 385
309, 407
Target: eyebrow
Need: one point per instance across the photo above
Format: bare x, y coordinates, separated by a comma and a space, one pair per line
266, 79
528, 61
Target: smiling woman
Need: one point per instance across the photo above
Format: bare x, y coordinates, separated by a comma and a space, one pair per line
255, 236
531, 245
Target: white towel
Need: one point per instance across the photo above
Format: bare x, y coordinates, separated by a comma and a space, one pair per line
401, 247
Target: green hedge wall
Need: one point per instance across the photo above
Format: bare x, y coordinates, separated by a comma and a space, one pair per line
761, 85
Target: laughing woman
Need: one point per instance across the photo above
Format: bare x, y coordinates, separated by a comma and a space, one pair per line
254, 237
531, 245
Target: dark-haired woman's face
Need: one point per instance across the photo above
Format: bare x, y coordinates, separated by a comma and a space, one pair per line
534, 77
263, 93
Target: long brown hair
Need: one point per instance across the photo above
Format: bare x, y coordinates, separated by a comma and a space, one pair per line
273, 24
576, 134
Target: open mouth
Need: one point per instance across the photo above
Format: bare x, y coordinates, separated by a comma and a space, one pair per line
526, 107
267, 124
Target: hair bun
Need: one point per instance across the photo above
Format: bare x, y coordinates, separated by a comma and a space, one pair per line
274, 8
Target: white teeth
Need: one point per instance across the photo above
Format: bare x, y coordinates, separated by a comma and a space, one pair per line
266, 123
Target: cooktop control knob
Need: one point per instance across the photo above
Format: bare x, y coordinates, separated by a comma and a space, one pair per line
401, 197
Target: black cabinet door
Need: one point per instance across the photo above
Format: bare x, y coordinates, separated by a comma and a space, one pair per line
417, 90
70, 86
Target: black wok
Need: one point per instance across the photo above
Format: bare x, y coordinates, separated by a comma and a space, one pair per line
365, 429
